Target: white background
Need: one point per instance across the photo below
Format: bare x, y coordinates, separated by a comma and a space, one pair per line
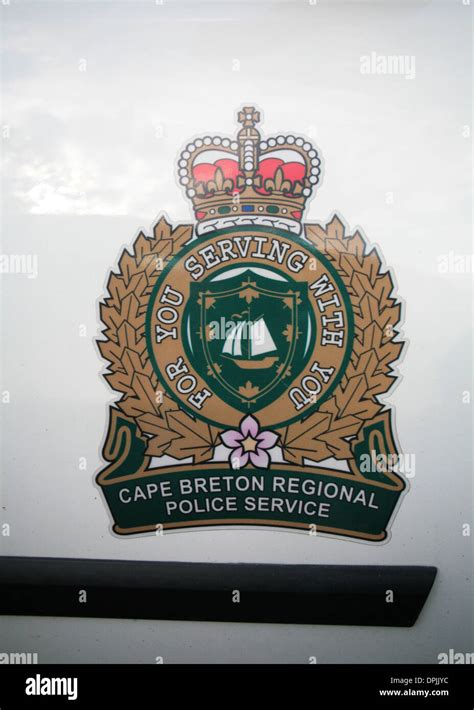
90, 159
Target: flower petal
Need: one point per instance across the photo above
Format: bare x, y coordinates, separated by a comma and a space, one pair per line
260, 458
238, 458
249, 427
267, 439
231, 438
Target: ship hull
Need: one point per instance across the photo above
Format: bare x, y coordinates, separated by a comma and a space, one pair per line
254, 364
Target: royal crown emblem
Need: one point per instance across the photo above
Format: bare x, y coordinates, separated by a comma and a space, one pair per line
249, 181
250, 354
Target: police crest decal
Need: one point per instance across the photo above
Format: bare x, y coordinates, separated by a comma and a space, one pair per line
250, 353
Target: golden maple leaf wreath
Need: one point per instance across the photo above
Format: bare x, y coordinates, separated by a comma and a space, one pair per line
323, 434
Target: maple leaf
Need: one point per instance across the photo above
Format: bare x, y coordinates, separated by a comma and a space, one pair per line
290, 301
249, 293
208, 300
288, 333
161, 436
300, 440
196, 438
249, 390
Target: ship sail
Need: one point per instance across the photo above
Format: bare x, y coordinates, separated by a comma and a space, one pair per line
257, 337
261, 341
233, 344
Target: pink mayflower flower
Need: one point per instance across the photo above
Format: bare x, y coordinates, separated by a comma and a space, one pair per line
249, 443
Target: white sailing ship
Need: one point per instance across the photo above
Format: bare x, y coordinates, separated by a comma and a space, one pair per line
247, 341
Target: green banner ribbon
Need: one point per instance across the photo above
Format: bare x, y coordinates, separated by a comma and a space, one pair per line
315, 499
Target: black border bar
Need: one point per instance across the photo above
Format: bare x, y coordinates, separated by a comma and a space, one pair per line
331, 686
198, 591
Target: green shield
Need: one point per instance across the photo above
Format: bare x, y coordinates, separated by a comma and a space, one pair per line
248, 332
